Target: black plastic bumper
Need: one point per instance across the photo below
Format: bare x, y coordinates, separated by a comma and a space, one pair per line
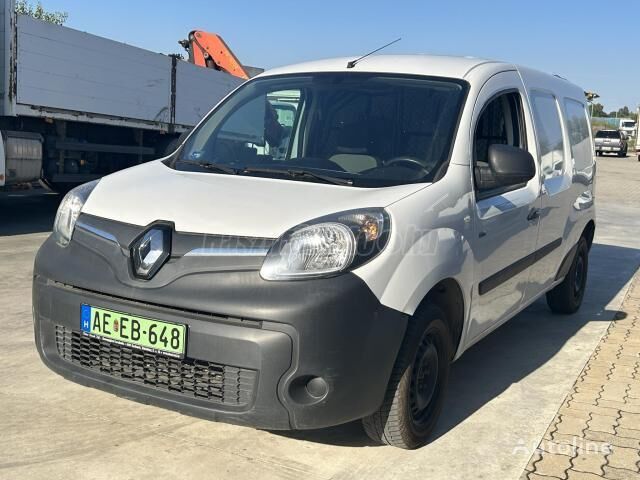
286, 332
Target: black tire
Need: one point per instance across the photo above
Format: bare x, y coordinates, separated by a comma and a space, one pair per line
415, 396
639, 158
567, 296
598, 153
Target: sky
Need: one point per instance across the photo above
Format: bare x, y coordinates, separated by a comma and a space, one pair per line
590, 42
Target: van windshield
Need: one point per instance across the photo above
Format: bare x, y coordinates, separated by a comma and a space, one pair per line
367, 130
628, 124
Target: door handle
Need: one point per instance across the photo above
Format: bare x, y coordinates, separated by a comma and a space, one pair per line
534, 214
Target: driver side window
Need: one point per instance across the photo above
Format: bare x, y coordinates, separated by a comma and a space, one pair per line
501, 122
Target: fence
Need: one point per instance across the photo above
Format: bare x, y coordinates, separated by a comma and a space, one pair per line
604, 122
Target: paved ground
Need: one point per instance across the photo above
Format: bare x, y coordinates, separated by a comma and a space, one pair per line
504, 394
596, 433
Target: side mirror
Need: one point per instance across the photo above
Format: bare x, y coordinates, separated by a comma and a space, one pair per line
511, 165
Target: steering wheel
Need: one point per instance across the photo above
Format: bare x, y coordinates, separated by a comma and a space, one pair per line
410, 162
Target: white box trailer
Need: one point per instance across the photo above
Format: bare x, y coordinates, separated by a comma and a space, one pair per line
76, 106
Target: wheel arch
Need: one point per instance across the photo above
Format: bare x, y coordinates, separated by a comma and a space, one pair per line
438, 266
589, 231
447, 295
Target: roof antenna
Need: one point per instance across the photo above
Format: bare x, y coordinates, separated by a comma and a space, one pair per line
352, 63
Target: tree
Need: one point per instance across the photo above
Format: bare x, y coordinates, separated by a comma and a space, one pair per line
598, 110
624, 112
24, 7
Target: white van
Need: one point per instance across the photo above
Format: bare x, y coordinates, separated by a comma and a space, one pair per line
310, 274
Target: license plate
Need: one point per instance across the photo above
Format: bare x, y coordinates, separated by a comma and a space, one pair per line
606, 148
131, 330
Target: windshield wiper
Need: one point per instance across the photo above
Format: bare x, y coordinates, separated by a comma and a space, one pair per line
298, 172
214, 167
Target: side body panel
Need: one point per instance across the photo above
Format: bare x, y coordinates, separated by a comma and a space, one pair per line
429, 242
59, 68
567, 200
505, 236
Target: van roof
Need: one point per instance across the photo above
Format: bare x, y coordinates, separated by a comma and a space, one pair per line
472, 69
435, 65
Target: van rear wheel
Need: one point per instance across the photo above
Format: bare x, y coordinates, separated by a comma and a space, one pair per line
567, 296
415, 394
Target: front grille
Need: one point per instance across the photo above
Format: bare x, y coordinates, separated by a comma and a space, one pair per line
190, 377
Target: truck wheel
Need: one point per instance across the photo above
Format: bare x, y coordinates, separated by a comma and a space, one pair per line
567, 296
415, 394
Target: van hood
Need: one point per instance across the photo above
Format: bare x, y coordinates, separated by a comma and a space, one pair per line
221, 204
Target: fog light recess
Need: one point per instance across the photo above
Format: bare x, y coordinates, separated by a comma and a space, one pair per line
308, 389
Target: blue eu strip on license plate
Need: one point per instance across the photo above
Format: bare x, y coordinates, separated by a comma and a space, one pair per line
85, 318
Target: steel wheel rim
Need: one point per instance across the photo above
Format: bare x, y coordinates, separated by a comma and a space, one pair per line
424, 381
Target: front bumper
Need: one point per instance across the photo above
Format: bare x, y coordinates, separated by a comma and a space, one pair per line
257, 343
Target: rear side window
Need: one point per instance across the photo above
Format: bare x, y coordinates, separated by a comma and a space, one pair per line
578, 129
549, 130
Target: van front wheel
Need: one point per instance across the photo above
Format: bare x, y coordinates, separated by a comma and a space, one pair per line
415, 393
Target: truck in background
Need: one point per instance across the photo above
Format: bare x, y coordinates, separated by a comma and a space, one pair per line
628, 126
76, 106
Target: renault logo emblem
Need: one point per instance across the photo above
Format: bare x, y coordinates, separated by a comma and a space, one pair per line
150, 251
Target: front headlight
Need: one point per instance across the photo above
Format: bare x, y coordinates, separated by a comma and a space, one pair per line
68, 212
328, 245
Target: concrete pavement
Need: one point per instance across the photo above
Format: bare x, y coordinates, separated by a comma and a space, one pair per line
504, 392
596, 432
